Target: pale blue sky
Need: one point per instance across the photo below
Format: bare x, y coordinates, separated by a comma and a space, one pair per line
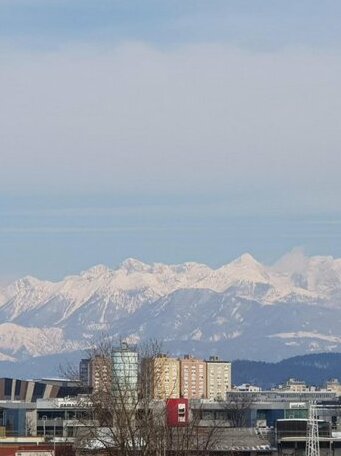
167, 131
253, 23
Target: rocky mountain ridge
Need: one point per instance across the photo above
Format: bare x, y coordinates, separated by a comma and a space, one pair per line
287, 309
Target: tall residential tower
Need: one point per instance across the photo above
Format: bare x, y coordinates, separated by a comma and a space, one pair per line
218, 378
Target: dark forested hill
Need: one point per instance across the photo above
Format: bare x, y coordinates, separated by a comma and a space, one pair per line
314, 369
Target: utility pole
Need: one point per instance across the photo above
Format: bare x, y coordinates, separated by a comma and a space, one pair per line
312, 442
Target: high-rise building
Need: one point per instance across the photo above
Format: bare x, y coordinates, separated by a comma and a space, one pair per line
100, 374
84, 371
124, 367
218, 378
192, 378
162, 374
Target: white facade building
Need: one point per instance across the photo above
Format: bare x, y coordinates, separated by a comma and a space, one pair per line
218, 374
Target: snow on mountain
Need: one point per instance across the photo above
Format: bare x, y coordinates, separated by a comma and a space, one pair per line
253, 280
308, 335
3, 298
119, 292
16, 339
323, 275
248, 276
318, 276
26, 293
185, 302
4, 357
206, 321
243, 269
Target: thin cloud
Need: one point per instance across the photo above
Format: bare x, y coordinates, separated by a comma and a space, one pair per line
207, 118
74, 230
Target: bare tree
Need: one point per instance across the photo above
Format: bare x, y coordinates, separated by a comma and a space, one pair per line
237, 407
122, 415
192, 439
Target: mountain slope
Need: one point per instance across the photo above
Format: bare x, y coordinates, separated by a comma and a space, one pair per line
242, 309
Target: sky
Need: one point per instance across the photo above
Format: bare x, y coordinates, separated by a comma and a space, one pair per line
167, 131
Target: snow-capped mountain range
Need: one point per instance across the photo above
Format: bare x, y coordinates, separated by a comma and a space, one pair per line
241, 310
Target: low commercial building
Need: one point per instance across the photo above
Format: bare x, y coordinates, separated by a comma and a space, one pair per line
296, 386
263, 409
56, 418
12, 389
334, 386
248, 387
18, 418
291, 438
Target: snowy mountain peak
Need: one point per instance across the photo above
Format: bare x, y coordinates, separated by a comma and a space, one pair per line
97, 271
131, 265
246, 260
26, 282
25, 286
243, 269
191, 299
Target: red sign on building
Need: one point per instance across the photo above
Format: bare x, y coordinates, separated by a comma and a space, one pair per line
177, 412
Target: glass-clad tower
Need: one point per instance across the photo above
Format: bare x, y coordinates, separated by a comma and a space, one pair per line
125, 372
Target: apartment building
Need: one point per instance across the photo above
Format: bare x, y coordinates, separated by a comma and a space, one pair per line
163, 376
218, 378
100, 373
192, 378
